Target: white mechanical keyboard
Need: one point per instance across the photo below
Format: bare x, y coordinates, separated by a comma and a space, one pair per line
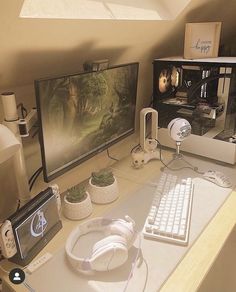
169, 216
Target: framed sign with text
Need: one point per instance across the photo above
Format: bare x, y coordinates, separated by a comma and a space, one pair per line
202, 40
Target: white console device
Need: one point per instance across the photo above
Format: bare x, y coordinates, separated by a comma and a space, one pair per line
14, 232
147, 150
7, 240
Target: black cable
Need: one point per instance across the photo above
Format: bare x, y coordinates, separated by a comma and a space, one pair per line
34, 177
161, 153
162, 160
206, 80
33, 181
23, 110
34, 174
18, 205
195, 169
136, 146
108, 154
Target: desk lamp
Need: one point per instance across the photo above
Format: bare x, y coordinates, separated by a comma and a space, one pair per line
179, 129
11, 145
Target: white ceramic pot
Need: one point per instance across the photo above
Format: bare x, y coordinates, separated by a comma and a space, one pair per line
103, 195
77, 211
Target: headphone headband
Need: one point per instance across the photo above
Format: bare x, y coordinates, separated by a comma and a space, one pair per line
120, 227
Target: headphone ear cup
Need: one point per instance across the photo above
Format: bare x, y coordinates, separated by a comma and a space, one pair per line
109, 253
125, 230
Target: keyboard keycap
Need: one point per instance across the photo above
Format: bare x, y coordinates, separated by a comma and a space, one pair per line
170, 212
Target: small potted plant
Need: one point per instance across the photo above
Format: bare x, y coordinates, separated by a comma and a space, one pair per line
77, 203
103, 187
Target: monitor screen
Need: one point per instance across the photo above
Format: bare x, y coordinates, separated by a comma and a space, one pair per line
83, 114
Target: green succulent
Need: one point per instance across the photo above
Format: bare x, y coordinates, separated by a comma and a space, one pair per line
76, 194
102, 178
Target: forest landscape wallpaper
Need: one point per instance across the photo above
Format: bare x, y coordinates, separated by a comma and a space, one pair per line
82, 113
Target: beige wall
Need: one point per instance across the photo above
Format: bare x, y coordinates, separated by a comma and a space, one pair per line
34, 48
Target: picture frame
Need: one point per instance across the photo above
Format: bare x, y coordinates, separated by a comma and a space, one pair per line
202, 40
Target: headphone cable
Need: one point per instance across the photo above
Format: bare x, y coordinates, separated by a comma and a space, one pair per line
134, 264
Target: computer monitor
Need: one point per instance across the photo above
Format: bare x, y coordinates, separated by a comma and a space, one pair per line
83, 114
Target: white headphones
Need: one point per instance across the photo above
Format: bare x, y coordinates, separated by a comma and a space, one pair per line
108, 253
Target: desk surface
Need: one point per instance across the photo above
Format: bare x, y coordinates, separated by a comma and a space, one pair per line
200, 256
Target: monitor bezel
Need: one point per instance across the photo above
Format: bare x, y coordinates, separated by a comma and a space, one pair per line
49, 177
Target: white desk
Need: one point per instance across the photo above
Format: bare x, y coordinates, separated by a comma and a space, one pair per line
192, 269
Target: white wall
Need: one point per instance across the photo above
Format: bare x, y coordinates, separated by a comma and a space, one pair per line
34, 48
